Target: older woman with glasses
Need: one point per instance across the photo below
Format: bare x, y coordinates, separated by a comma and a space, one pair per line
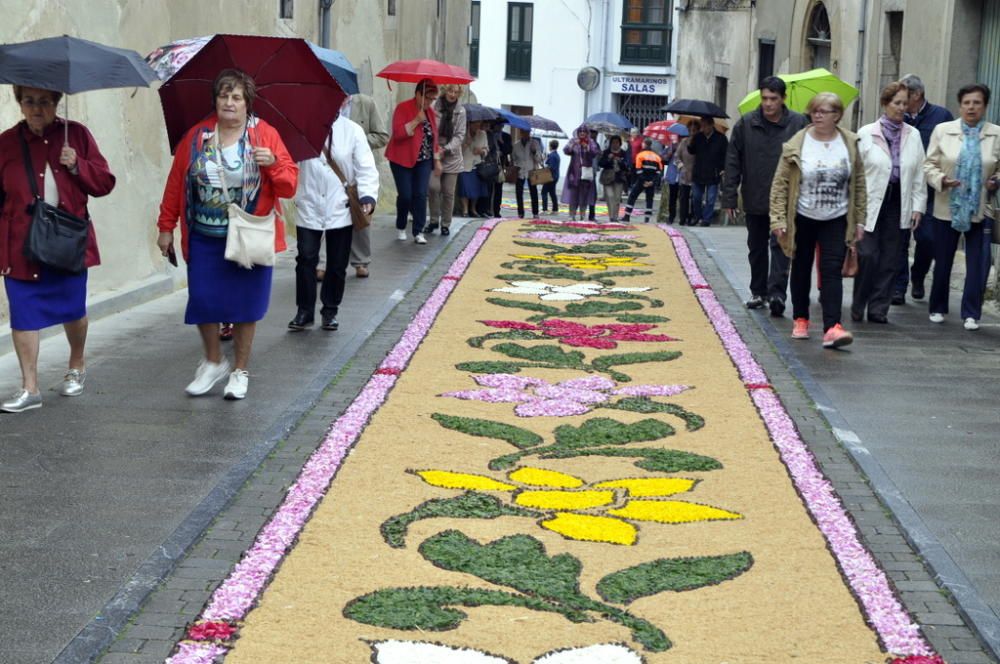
65, 174
230, 156
963, 164
818, 198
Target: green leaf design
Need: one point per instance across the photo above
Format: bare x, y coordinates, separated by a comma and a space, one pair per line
600, 431
592, 307
550, 355
612, 249
425, 608
470, 505
516, 436
641, 318
516, 561
656, 304
487, 367
692, 421
606, 362
477, 342
652, 459
675, 575
539, 245
518, 304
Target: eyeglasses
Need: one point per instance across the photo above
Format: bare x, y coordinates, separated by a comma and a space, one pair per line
39, 103
822, 111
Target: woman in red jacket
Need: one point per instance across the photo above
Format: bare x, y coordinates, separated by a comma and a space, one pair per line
66, 172
252, 167
413, 154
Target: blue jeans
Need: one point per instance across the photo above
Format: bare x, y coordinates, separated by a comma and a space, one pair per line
411, 193
703, 211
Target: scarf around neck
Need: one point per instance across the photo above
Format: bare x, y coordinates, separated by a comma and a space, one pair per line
893, 132
964, 199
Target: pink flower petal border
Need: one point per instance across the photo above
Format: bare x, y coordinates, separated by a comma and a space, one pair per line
900, 635
234, 598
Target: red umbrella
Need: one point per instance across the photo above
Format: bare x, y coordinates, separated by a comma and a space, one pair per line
295, 93
659, 131
413, 71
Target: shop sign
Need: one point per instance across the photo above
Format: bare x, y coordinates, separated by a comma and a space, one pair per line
640, 85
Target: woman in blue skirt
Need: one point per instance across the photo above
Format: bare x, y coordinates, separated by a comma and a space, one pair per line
231, 156
66, 172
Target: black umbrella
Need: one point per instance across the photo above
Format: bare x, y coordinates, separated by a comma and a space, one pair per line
705, 109
70, 65
544, 127
480, 113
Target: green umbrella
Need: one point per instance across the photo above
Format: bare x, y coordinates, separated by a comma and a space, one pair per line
803, 87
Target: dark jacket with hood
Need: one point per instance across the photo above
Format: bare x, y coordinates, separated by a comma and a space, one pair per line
752, 157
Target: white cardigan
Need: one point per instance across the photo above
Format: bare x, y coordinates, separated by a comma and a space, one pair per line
320, 200
874, 150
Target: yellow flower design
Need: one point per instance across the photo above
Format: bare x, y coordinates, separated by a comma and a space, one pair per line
583, 262
599, 512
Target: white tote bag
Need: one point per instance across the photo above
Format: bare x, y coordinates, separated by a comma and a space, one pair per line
587, 173
249, 238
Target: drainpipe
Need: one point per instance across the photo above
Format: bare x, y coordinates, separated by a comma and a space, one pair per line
605, 52
859, 81
324, 22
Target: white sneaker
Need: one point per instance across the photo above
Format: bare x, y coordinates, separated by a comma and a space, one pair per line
937, 318
206, 376
236, 388
971, 324
400, 235
420, 239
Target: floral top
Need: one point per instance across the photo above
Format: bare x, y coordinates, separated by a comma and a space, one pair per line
426, 145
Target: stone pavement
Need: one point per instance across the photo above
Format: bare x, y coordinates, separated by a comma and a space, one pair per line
103, 494
915, 404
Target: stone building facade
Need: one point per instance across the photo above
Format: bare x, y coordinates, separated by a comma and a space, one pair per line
727, 46
128, 124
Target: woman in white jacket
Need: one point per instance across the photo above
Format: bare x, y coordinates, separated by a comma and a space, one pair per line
321, 204
893, 155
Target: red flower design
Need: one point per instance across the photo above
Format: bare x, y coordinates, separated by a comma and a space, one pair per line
211, 630
590, 336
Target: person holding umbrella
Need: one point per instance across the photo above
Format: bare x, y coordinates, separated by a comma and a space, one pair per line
579, 191
67, 167
452, 126
709, 149
230, 156
413, 156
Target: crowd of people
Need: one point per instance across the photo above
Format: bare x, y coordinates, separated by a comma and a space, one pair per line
812, 192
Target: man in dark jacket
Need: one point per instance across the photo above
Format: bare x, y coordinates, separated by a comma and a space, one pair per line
924, 116
751, 160
709, 150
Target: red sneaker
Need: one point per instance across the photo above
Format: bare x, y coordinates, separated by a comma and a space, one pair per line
800, 329
836, 337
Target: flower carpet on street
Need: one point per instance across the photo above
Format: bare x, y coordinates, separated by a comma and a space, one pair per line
570, 457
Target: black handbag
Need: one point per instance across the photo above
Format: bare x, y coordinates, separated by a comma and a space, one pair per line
488, 171
56, 238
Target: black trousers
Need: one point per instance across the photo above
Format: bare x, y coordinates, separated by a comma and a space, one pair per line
549, 192
633, 195
768, 276
685, 204
675, 190
827, 236
496, 198
338, 253
519, 195
878, 259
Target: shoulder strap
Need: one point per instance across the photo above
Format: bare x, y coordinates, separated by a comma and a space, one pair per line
28, 166
331, 161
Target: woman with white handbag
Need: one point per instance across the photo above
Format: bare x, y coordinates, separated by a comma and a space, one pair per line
227, 174
579, 192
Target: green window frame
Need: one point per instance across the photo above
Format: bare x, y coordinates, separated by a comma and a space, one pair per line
647, 31
519, 32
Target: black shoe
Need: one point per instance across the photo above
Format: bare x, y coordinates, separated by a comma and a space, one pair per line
330, 323
302, 320
430, 228
856, 317
777, 307
917, 291
898, 298
706, 223
877, 318
755, 302
445, 230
